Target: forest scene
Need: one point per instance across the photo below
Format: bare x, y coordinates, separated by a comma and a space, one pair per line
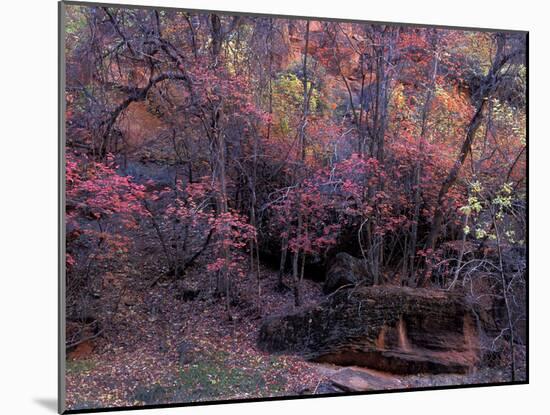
262, 206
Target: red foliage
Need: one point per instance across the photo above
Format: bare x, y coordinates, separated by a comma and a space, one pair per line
100, 203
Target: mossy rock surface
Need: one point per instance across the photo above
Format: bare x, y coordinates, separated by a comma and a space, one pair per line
396, 329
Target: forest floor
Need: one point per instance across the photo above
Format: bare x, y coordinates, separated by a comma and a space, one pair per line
162, 346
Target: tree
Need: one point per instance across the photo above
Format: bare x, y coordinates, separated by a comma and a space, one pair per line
487, 88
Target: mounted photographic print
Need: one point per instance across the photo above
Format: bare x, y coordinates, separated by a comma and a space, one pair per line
259, 206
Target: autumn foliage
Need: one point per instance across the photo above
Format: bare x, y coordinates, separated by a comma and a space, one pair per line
232, 143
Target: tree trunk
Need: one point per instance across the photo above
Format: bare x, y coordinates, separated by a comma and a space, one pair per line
418, 166
216, 35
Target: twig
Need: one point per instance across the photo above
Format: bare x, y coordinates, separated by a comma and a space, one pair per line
70, 345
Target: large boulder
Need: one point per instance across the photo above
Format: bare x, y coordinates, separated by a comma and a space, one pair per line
395, 329
345, 270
